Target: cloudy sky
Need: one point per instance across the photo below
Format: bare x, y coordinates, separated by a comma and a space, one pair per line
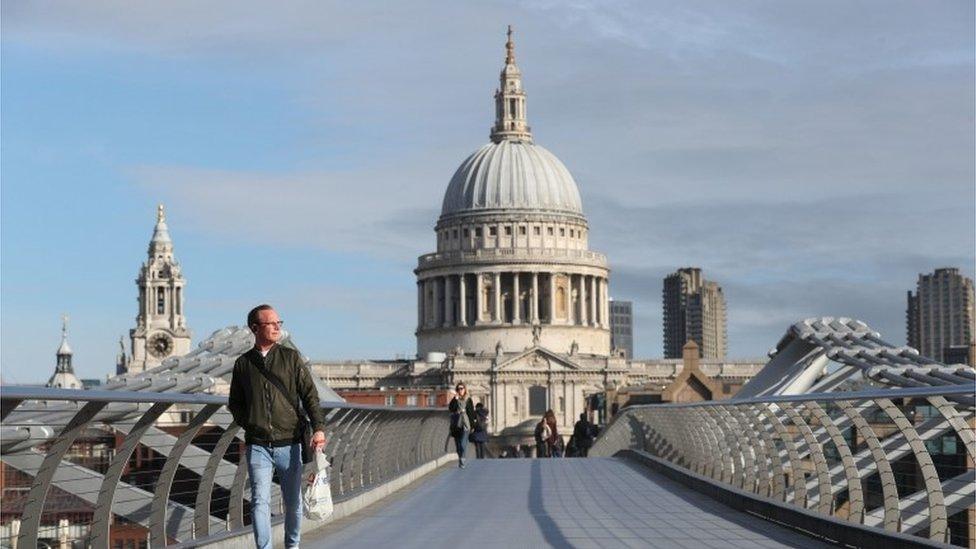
811, 157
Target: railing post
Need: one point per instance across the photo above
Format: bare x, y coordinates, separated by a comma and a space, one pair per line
31, 517
103, 509
157, 520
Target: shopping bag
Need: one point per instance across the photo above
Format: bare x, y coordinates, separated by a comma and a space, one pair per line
316, 492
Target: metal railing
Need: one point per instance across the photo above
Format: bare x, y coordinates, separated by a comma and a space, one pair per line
108, 468
901, 460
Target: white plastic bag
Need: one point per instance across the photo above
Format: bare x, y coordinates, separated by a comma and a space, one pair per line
316, 492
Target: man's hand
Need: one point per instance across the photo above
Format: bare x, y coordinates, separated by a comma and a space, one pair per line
318, 441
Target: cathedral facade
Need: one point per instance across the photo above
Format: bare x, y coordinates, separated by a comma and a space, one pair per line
514, 303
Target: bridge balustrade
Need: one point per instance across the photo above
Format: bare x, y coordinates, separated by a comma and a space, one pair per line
900, 460
134, 469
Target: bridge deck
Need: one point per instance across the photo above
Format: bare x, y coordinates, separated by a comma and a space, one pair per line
596, 502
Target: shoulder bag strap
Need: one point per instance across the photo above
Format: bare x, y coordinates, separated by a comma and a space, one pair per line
276, 381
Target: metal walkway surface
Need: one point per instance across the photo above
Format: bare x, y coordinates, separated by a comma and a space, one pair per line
594, 502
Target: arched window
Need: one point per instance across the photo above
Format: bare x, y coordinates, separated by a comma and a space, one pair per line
160, 301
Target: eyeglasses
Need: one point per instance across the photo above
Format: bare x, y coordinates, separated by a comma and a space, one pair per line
279, 324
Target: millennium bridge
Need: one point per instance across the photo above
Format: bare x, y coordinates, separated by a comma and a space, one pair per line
842, 439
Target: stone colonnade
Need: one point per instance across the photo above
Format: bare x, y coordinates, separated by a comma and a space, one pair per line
493, 298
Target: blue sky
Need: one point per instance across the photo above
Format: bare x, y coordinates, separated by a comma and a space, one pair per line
813, 158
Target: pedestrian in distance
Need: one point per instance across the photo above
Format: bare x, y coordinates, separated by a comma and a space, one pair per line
266, 381
542, 434
554, 441
583, 436
462, 419
479, 436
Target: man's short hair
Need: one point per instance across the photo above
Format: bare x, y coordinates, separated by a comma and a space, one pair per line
252, 317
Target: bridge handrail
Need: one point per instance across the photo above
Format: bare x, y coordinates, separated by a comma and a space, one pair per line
157, 445
822, 451
913, 392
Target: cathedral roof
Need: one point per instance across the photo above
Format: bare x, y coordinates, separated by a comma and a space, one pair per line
512, 175
511, 172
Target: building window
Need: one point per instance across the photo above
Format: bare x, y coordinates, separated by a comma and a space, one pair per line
508, 231
454, 234
411, 400
562, 231
465, 233
515, 404
522, 230
538, 398
160, 301
538, 230
492, 231
477, 232
391, 400
549, 230
432, 400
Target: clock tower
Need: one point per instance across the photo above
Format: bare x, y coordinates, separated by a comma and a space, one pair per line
161, 329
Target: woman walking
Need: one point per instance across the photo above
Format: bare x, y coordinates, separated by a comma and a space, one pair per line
554, 443
480, 434
542, 435
462, 417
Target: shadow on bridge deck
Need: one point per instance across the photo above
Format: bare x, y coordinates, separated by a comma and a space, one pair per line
596, 502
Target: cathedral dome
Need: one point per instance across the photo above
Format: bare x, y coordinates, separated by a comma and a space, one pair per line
509, 175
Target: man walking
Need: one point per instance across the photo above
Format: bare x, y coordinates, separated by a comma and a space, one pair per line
272, 429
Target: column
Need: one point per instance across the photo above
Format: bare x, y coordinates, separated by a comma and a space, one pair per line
606, 302
478, 297
552, 300
516, 299
584, 304
436, 309
599, 302
498, 298
593, 317
534, 302
420, 304
463, 301
448, 306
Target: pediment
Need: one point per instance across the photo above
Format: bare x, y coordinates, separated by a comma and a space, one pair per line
538, 359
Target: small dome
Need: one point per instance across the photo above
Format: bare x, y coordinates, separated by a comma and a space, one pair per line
512, 175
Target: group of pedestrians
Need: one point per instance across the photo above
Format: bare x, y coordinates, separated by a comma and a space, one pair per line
469, 422
549, 443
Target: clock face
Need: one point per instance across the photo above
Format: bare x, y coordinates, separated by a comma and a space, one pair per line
160, 345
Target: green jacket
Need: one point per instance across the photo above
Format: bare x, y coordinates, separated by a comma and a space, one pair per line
259, 407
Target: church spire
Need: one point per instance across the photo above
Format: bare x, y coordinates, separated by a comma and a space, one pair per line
64, 373
64, 350
510, 122
161, 245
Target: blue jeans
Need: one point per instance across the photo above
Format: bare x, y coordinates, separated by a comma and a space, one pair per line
262, 462
461, 444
